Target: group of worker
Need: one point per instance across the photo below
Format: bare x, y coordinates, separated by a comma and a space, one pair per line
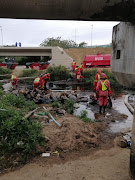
77, 70
39, 82
103, 90
101, 84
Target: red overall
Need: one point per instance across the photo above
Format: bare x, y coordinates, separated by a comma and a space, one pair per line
38, 83
81, 67
14, 80
103, 91
73, 65
79, 76
97, 78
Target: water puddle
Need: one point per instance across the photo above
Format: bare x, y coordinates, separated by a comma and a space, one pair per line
124, 125
77, 112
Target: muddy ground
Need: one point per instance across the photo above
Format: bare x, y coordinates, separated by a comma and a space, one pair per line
85, 150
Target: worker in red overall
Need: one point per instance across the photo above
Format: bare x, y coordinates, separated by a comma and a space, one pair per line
97, 78
81, 67
38, 83
45, 77
103, 90
14, 81
78, 75
73, 65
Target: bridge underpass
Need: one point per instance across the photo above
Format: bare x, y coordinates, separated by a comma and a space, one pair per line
58, 55
96, 10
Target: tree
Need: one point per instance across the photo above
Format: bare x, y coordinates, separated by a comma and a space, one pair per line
59, 42
82, 44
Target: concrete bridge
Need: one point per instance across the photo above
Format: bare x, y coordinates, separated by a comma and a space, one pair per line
123, 51
95, 10
57, 54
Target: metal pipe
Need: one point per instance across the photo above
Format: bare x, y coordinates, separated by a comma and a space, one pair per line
52, 117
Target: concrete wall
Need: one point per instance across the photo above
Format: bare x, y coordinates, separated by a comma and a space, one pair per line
123, 40
59, 57
103, 10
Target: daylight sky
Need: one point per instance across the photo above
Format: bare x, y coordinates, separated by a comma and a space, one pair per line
33, 32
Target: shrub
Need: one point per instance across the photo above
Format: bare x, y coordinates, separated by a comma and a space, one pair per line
58, 73
69, 106
56, 104
5, 71
18, 136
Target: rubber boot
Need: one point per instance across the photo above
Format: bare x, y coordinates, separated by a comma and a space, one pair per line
100, 108
104, 109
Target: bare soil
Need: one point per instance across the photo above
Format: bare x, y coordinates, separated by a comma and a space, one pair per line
79, 53
86, 151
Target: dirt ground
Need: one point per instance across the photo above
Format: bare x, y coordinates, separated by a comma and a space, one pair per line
86, 151
112, 164
79, 53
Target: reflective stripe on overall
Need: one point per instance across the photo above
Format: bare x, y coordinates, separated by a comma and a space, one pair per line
104, 88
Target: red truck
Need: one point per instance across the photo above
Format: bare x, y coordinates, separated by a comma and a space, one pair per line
97, 60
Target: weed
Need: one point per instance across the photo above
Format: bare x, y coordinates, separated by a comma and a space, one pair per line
56, 104
84, 117
69, 106
58, 73
18, 136
5, 71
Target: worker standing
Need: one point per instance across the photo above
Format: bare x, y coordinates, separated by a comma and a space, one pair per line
38, 83
81, 67
103, 90
14, 81
78, 75
97, 78
73, 66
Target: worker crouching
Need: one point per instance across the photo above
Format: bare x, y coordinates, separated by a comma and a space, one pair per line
45, 78
38, 83
103, 90
14, 81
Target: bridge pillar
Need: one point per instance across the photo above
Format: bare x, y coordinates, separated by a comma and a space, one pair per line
132, 152
123, 67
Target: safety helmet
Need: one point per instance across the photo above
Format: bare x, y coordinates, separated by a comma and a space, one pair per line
102, 76
98, 71
48, 74
82, 62
73, 59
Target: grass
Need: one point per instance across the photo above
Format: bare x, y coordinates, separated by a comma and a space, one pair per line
31, 72
84, 117
18, 136
58, 73
5, 71
89, 74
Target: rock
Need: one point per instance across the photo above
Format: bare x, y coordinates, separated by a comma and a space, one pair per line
60, 111
15, 92
85, 99
121, 142
72, 97
76, 105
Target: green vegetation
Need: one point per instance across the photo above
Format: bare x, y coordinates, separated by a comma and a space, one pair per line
32, 72
63, 43
58, 73
84, 117
56, 104
89, 74
25, 59
69, 106
18, 136
5, 71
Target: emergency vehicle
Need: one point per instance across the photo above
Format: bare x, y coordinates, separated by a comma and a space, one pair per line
8, 64
91, 61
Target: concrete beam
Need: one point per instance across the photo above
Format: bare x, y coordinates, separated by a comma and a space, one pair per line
25, 51
101, 10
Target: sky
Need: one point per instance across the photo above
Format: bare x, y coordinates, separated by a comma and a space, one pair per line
32, 32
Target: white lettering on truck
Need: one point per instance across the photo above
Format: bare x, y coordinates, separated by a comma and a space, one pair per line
98, 58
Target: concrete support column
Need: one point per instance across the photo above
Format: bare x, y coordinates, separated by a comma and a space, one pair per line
132, 152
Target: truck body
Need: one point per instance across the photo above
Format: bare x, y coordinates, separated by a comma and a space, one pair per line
91, 61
